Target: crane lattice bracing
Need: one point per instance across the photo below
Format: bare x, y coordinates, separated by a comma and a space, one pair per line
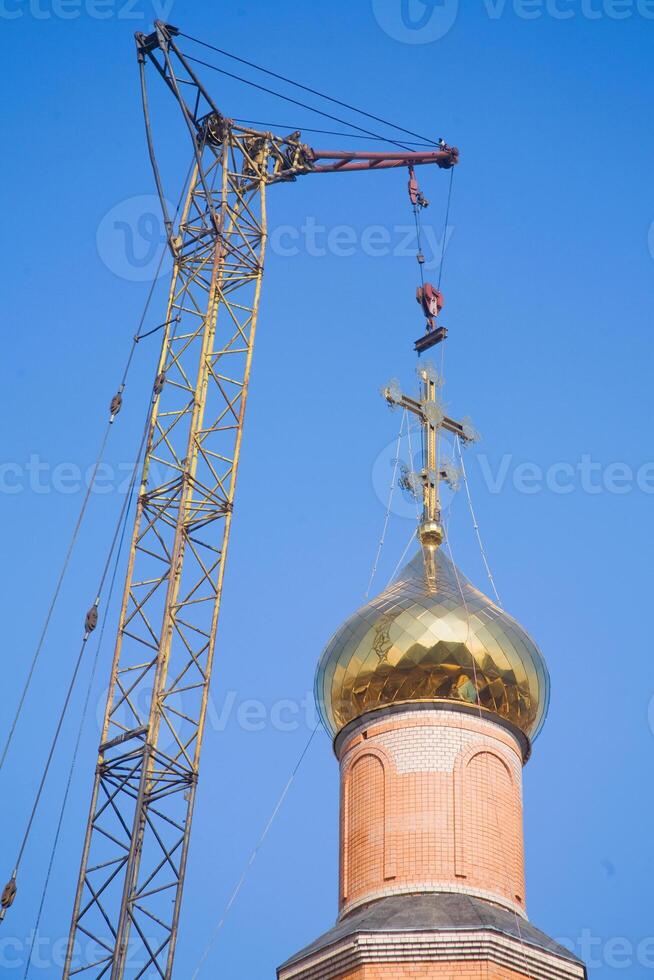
135, 850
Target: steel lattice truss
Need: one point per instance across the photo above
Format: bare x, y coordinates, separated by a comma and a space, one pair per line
129, 892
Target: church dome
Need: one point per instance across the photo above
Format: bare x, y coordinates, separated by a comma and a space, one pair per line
432, 636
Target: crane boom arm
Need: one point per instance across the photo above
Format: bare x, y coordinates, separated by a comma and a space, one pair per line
339, 161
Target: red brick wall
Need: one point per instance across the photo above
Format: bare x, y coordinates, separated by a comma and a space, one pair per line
431, 801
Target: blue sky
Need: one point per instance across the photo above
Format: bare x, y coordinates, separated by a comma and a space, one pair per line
548, 284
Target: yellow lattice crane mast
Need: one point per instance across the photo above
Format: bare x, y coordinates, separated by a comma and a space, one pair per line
136, 844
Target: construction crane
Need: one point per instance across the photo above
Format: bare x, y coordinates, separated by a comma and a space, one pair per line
135, 851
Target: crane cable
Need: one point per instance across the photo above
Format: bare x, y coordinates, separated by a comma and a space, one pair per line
475, 524
410, 446
114, 408
287, 98
90, 624
402, 557
78, 740
322, 132
447, 218
391, 493
55, 596
253, 854
440, 279
417, 208
414, 533
306, 88
117, 404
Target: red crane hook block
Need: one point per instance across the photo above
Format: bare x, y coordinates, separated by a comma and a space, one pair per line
432, 302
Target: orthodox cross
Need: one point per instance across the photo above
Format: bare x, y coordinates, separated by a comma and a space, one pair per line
429, 411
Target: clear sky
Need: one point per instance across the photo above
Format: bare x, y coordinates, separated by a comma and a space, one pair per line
548, 283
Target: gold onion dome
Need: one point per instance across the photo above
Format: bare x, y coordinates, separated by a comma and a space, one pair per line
432, 636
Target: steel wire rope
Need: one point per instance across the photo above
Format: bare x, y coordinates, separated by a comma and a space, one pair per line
440, 279
78, 740
322, 132
391, 493
414, 532
475, 524
89, 627
78, 662
410, 445
253, 854
287, 98
138, 336
118, 537
55, 597
416, 218
457, 441
447, 218
402, 557
306, 88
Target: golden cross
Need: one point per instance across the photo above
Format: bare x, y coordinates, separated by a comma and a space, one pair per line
432, 419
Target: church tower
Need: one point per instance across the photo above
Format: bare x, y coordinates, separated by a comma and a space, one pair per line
433, 695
